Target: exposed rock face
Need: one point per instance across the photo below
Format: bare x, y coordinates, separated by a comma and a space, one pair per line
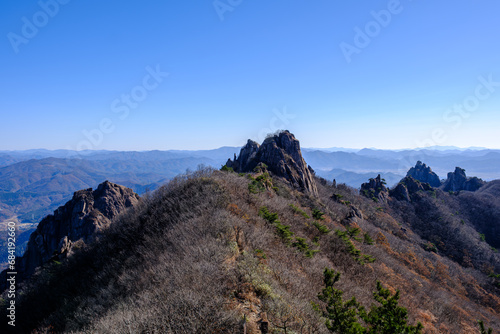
375, 189
458, 181
400, 192
246, 161
281, 153
408, 187
79, 219
423, 173
355, 214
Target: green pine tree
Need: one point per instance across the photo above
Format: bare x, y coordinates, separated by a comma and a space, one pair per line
345, 317
481, 328
342, 317
389, 317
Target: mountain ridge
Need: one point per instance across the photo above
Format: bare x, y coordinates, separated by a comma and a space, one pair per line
261, 244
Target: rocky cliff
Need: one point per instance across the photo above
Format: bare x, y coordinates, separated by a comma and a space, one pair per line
458, 181
281, 153
421, 172
79, 219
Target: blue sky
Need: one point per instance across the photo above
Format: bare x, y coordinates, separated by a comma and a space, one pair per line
93, 74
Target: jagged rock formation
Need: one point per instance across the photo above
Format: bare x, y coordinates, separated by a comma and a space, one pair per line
423, 173
407, 187
246, 161
281, 153
79, 219
353, 216
375, 189
458, 181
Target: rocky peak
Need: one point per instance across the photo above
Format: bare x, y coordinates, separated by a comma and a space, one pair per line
423, 173
407, 187
458, 181
281, 153
246, 159
79, 219
375, 189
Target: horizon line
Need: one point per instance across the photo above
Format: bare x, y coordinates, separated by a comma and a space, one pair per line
435, 147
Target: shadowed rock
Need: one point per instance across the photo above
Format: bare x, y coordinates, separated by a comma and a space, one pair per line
375, 189
79, 219
423, 173
458, 181
407, 187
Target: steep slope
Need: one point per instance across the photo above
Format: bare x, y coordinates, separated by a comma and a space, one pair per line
34, 188
482, 210
452, 219
223, 252
202, 254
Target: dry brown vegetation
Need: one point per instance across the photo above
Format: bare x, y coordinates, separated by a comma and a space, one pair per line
197, 257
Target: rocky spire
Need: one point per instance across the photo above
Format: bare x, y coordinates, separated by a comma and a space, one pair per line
421, 172
246, 159
457, 181
281, 153
375, 189
79, 219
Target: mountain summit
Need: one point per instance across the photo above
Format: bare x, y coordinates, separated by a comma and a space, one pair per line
282, 156
457, 181
421, 172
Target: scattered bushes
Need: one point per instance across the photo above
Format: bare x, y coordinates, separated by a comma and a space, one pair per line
260, 184
204, 229
346, 236
271, 217
299, 211
283, 231
225, 168
303, 246
430, 247
367, 239
321, 228
317, 214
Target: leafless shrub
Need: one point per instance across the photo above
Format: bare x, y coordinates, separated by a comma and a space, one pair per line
197, 256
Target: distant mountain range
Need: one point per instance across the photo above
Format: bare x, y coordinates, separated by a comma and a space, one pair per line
480, 163
35, 182
259, 232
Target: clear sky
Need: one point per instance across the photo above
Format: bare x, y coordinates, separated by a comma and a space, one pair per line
131, 75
